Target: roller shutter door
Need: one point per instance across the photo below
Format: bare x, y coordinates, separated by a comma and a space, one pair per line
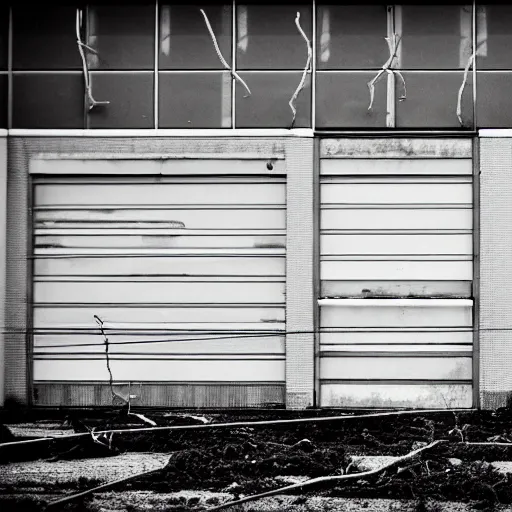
396, 251
196, 264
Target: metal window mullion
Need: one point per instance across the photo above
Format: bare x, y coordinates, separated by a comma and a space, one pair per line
475, 60
313, 70
391, 88
9, 72
86, 24
156, 77
233, 63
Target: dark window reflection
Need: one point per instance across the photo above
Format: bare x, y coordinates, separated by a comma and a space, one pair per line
44, 37
4, 36
267, 37
185, 42
48, 100
131, 100
123, 36
3, 101
435, 36
432, 101
494, 36
494, 101
342, 101
268, 105
195, 100
351, 36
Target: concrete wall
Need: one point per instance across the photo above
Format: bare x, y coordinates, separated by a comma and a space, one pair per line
495, 271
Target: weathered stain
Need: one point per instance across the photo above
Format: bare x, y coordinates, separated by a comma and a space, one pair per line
270, 245
396, 148
48, 246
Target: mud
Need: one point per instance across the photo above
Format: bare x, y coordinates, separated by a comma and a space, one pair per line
250, 460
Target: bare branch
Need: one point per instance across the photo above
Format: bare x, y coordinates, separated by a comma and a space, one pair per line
393, 44
111, 379
234, 74
87, 79
307, 69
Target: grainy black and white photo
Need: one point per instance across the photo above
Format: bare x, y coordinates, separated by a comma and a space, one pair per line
255, 256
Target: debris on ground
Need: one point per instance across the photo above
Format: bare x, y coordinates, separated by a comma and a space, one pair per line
246, 460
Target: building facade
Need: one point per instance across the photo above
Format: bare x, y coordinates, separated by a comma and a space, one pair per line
251, 204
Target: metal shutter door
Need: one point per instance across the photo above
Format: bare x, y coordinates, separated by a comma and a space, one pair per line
188, 261
396, 251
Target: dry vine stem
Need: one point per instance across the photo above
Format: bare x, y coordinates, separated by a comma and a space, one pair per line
393, 48
111, 379
252, 424
334, 478
87, 79
234, 74
470, 62
307, 69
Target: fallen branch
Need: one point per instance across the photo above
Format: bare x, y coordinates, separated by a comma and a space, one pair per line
101, 487
486, 443
334, 478
238, 424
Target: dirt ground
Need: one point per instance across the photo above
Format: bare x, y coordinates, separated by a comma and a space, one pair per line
248, 460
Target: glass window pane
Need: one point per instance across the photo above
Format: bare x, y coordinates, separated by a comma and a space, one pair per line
494, 36
185, 42
267, 37
268, 105
351, 36
343, 98
45, 38
3, 101
194, 100
494, 101
432, 100
4, 36
131, 100
435, 36
48, 100
123, 36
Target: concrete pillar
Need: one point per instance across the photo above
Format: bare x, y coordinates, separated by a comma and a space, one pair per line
300, 298
495, 317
